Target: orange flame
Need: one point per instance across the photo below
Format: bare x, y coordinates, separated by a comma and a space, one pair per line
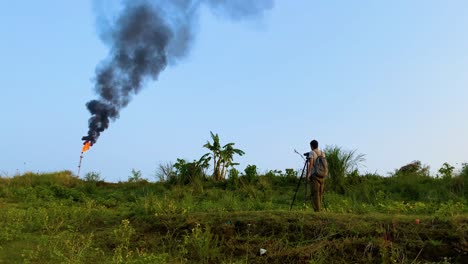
86, 146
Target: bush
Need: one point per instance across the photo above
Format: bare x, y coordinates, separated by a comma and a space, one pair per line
93, 176
233, 179
165, 172
251, 174
446, 171
187, 172
201, 246
291, 175
464, 175
135, 176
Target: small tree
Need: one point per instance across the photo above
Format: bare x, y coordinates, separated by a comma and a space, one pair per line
464, 170
251, 173
223, 157
446, 171
165, 172
227, 157
136, 176
188, 172
215, 154
92, 176
414, 167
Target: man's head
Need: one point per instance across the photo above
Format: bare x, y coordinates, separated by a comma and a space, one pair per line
314, 144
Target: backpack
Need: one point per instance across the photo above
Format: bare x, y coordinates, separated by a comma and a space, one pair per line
321, 166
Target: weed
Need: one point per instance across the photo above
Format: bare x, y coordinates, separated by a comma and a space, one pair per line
200, 245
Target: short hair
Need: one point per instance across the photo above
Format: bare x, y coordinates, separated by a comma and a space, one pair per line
314, 144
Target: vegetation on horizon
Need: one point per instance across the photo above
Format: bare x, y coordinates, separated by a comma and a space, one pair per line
193, 215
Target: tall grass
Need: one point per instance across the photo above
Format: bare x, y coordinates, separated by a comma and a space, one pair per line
341, 163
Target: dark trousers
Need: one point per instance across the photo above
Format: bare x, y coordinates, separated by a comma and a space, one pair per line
317, 187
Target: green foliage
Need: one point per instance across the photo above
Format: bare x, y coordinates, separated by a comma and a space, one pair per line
166, 172
233, 179
29, 179
251, 174
223, 157
290, 175
446, 171
464, 170
145, 258
49, 218
135, 176
200, 245
122, 252
450, 208
12, 225
463, 180
414, 167
189, 172
93, 177
341, 163
73, 247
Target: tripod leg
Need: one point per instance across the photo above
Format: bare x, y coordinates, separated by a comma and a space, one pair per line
306, 184
305, 191
298, 185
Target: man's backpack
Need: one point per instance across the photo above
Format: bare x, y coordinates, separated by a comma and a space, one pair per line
321, 166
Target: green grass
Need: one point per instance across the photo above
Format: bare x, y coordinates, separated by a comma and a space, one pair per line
58, 218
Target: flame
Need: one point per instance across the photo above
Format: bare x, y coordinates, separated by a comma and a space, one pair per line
86, 146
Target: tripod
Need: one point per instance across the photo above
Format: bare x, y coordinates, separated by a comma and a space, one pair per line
306, 169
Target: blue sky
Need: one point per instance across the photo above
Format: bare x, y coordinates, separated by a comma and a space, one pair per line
387, 78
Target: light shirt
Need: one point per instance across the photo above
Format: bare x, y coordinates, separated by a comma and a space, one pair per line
316, 153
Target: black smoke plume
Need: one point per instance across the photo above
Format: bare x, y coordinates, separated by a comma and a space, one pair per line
145, 36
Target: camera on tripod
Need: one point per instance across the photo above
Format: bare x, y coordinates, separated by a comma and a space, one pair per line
304, 171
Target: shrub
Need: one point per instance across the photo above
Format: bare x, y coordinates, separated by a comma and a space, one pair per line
464, 175
187, 172
135, 176
291, 175
165, 172
446, 171
251, 174
201, 246
93, 176
233, 180
123, 234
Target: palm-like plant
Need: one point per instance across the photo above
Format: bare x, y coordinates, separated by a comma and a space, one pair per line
215, 154
222, 156
341, 163
227, 157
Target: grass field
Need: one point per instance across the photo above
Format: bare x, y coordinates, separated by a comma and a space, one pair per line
59, 218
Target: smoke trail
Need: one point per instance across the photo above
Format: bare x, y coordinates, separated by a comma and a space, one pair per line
143, 39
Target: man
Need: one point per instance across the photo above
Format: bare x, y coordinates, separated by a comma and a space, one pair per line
317, 183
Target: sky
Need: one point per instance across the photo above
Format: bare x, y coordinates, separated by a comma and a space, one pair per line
385, 78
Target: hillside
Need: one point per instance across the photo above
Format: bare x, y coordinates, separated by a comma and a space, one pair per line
58, 218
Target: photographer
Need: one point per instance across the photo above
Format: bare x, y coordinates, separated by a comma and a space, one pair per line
316, 173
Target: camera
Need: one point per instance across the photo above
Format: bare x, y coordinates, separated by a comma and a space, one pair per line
306, 154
